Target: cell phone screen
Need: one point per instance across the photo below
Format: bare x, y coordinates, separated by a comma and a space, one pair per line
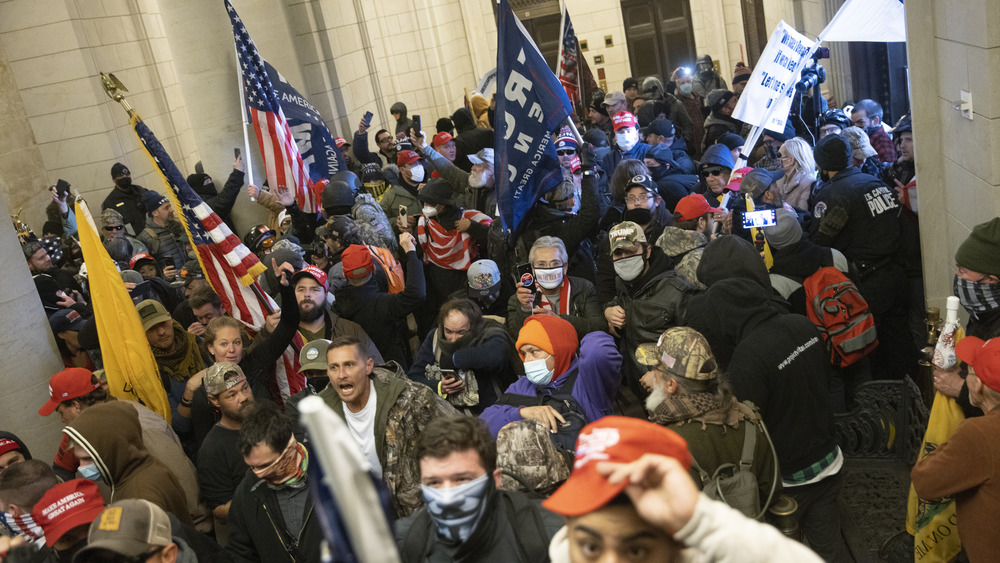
758, 219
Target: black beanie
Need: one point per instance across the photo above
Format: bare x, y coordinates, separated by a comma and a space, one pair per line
981, 251
437, 191
833, 153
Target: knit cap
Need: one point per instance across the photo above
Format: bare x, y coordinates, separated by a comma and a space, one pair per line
785, 232
833, 153
981, 251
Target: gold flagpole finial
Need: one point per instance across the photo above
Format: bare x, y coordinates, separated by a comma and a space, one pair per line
114, 88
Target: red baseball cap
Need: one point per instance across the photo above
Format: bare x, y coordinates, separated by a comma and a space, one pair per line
617, 439
694, 206
65, 506
314, 273
984, 357
8, 445
340, 142
356, 257
140, 256
406, 157
441, 138
737, 179
624, 119
67, 385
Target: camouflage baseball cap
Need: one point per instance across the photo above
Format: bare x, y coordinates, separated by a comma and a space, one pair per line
680, 351
626, 235
216, 377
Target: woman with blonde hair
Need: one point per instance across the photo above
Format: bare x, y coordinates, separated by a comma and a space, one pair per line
796, 159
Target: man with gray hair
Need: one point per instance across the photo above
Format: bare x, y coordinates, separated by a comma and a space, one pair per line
553, 292
867, 115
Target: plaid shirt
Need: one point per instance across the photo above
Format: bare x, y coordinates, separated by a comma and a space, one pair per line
883, 145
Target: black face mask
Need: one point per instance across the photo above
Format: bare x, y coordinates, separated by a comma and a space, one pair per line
124, 182
640, 216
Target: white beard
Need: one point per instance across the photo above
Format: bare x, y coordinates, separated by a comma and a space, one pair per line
655, 398
478, 180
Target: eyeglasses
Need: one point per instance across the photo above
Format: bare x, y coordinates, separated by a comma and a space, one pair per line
110, 228
640, 199
569, 152
548, 265
711, 172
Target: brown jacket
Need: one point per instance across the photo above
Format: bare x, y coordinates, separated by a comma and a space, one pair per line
967, 467
110, 433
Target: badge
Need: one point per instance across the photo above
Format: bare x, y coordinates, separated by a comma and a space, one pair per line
312, 354
819, 210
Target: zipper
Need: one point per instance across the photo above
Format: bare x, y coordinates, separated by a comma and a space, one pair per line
277, 531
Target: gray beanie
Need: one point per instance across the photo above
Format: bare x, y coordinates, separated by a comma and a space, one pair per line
786, 231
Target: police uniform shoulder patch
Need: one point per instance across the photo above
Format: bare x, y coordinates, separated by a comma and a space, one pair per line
819, 210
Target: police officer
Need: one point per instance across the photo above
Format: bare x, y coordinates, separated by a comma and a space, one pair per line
860, 216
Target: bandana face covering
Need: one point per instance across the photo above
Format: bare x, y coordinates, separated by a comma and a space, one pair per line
977, 297
456, 510
289, 468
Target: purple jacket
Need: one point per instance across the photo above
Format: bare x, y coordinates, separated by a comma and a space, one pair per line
599, 366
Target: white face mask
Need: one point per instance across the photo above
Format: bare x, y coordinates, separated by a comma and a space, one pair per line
549, 278
629, 268
429, 211
627, 139
417, 174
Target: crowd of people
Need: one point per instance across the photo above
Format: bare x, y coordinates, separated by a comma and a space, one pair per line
562, 394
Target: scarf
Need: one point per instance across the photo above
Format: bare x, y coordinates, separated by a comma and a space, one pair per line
705, 408
449, 249
298, 478
183, 359
976, 297
564, 292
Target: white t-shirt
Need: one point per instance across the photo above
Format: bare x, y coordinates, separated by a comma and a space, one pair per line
362, 425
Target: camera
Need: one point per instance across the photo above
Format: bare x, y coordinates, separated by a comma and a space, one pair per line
812, 75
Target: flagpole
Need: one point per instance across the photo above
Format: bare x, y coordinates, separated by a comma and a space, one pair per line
243, 118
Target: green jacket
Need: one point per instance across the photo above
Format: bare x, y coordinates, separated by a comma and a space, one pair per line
402, 409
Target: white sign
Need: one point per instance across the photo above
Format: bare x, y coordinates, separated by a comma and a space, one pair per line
767, 98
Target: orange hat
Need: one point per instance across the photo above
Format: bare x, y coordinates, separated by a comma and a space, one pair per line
984, 357
552, 334
617, 439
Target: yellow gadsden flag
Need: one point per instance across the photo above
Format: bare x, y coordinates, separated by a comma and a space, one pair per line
128, 360
933, 522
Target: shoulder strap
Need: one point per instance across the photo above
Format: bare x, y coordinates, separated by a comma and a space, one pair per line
749, 445
415, 543
532, 539
154, 242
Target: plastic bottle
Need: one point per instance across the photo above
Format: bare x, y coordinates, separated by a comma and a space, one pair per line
944, 351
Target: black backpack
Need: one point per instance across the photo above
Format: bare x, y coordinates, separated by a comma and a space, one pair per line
564, 403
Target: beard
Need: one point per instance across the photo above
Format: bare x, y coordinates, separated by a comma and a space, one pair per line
238, 413
478, 180
312, 313
655, 398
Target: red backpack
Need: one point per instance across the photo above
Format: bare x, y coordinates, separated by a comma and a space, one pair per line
836, 307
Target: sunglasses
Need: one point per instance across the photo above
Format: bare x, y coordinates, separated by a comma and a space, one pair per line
566, 152
110, 228
711, 172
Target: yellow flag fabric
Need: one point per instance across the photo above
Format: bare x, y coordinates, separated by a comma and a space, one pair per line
933, 523
128, 360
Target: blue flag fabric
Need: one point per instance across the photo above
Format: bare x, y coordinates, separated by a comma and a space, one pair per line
315, 142
531, 103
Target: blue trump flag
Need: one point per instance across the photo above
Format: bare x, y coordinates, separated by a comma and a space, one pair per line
531, 103
313, 138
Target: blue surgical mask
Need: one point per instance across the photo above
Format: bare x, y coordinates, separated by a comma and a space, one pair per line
90, 471
537, 372
456, 510
686, 88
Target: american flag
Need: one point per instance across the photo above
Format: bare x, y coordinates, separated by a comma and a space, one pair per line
230, 268
282, 161
574, 73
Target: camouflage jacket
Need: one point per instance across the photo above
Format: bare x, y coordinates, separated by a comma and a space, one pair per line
685, 249
402, 409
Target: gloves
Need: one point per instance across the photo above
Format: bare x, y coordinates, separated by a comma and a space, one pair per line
587, 158
833, 221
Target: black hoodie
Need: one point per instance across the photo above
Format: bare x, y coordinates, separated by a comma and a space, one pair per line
20, 444
773, 358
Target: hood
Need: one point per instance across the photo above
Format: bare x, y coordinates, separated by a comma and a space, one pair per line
553, 334
399, 107
463, 120
479, 105
21, 447
197, 183
716, 118
110, 432
675, 241
731, 256
719, 155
